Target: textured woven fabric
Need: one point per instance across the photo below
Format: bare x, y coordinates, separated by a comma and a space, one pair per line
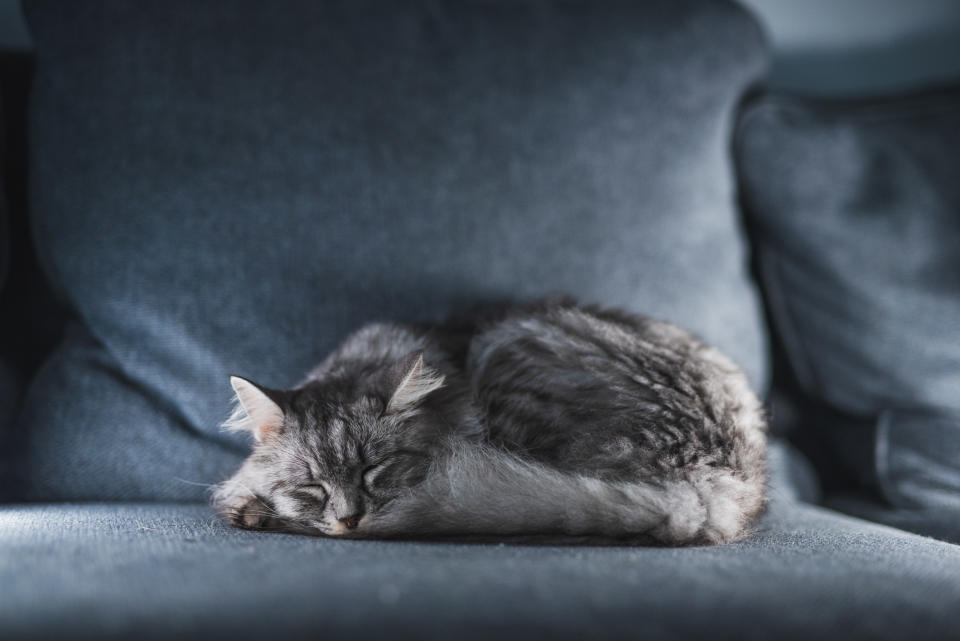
232, 187
167, 571
857, 211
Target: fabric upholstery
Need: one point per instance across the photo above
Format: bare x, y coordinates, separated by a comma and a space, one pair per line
168, 571
225, 188
857, 212
928, 521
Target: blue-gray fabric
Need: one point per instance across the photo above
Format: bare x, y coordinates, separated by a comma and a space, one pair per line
232, 187
103, 571
857, 212
928, 521
791, 476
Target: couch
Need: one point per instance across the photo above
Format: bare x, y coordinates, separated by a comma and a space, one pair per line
213, 188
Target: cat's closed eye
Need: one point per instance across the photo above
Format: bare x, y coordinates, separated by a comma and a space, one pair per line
370, 473
400, 469
317, 492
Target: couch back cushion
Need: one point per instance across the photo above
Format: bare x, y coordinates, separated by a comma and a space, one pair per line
857, 212
232, 187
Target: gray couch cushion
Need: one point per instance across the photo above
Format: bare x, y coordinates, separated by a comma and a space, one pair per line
928, 521
126, 435
857, 211
230, 188
169, 571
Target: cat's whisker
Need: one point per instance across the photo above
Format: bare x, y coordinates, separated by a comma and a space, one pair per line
264, 514
206, 485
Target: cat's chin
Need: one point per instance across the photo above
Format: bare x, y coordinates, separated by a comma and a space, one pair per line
339, 530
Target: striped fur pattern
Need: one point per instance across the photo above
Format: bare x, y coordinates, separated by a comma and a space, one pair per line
549, 420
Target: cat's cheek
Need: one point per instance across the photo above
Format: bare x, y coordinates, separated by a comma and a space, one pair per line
321, 527
287, 508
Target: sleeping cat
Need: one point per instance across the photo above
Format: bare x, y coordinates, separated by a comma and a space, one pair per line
550, 420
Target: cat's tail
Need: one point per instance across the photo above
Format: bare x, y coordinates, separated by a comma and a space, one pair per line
484, 491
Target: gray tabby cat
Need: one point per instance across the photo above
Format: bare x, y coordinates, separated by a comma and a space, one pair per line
574, 423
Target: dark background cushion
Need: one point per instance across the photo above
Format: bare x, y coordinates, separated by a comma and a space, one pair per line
232, 187
856, 207
31, 320
9, 380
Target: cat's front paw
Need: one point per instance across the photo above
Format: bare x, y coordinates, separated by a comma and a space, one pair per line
248, 512
253, 514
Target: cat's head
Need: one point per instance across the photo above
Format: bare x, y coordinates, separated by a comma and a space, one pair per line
328, 456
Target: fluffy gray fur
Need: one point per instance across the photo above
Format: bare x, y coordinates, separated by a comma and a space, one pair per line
553, 420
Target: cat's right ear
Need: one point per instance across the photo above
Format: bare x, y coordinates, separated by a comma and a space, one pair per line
256, 410
413, 381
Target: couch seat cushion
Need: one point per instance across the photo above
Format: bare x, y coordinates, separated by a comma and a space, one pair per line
167, 570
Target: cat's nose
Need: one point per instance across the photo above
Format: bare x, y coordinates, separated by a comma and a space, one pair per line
351, 521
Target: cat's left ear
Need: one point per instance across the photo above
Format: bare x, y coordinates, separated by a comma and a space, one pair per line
414, 381
257, 410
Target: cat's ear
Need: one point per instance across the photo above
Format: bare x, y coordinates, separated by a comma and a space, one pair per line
413, 381
257, 411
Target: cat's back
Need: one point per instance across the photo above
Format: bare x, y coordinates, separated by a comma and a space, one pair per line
587, 389
377, 345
